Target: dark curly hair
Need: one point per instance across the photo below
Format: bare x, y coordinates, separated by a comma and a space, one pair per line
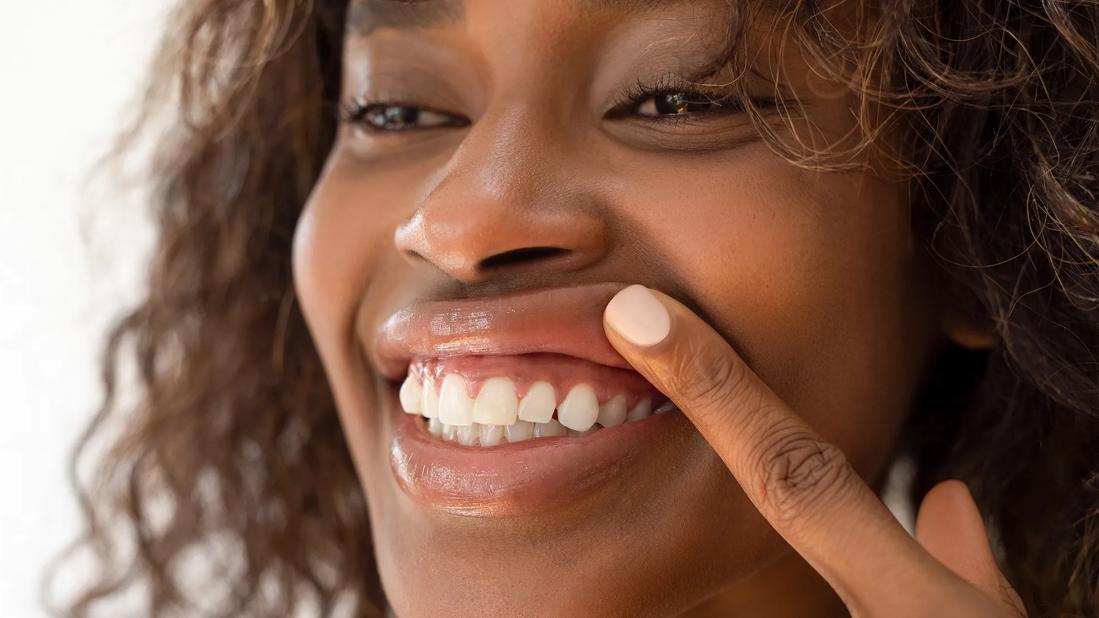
233, 449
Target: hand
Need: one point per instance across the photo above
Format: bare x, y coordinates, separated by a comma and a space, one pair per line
804, 486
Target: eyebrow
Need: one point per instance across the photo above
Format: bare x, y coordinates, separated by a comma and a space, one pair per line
366, 16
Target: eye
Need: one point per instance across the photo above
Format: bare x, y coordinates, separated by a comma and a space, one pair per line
673, 99
683, 103
397, 117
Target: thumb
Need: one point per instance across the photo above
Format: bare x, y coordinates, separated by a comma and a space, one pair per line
950, 528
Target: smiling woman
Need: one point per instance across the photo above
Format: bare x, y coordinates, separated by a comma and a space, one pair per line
402, 350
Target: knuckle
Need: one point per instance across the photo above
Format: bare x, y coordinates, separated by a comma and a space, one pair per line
800, 474
708, 381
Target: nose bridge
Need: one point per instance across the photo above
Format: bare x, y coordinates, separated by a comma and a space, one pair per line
504, 159
505, 201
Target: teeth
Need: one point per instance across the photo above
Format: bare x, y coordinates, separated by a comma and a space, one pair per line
491, 435
613, 412
468, 434
455, 406
641, 410
450, 432
579, 409
521, 430
497, 415
537, 405
435, 426
429, 401
410, 395
549, 429
496, 404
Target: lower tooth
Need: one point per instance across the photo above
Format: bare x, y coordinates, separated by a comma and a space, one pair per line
519, 431
468, 434
549, 429
435, 426
450, 432
491, 435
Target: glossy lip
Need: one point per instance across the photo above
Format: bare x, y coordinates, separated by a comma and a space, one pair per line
565, 321
510, 479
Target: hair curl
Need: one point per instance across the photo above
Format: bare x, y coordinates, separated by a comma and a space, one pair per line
234, 449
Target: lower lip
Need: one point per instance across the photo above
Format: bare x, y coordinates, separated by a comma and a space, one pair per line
515, 479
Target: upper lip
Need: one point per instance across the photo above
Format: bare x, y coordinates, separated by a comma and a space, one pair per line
563, 320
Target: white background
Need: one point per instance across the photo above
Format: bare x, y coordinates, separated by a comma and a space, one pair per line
70, 253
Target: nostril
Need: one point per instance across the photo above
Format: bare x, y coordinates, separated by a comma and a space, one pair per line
519, 256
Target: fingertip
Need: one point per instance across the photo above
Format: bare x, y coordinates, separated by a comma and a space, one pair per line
638, 316
947, 502
949, 526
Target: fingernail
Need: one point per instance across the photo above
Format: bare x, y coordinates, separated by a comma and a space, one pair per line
638, 316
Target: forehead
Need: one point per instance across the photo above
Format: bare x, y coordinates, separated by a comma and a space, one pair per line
368, 15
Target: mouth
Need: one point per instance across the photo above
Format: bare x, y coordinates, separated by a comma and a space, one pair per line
514, 404
487, 400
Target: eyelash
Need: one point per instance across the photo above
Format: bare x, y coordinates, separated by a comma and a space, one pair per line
356, 112
626, 106
628, 103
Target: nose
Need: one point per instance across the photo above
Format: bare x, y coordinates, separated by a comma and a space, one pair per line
510, 201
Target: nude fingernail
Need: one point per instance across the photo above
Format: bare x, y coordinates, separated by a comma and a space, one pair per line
638, 316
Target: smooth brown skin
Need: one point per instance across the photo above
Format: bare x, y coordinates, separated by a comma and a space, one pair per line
814, 278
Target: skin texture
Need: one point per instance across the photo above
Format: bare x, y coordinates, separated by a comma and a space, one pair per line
813, 278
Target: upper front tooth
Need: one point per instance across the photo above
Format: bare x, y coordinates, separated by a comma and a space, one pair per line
429, 400
537, 405
579, 409
496, 404
455, 406
613, 412
410, 395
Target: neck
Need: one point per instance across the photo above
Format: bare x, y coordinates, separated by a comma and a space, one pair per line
787, 588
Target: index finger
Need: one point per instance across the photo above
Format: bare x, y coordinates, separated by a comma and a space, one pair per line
799, 482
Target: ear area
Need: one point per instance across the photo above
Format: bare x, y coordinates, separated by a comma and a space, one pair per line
967, 330
962, 318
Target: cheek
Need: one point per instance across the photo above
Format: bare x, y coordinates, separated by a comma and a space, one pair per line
343, 244
337, 246
813, 278
327, 260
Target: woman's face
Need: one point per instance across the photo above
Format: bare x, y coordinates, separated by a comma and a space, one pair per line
505, 168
